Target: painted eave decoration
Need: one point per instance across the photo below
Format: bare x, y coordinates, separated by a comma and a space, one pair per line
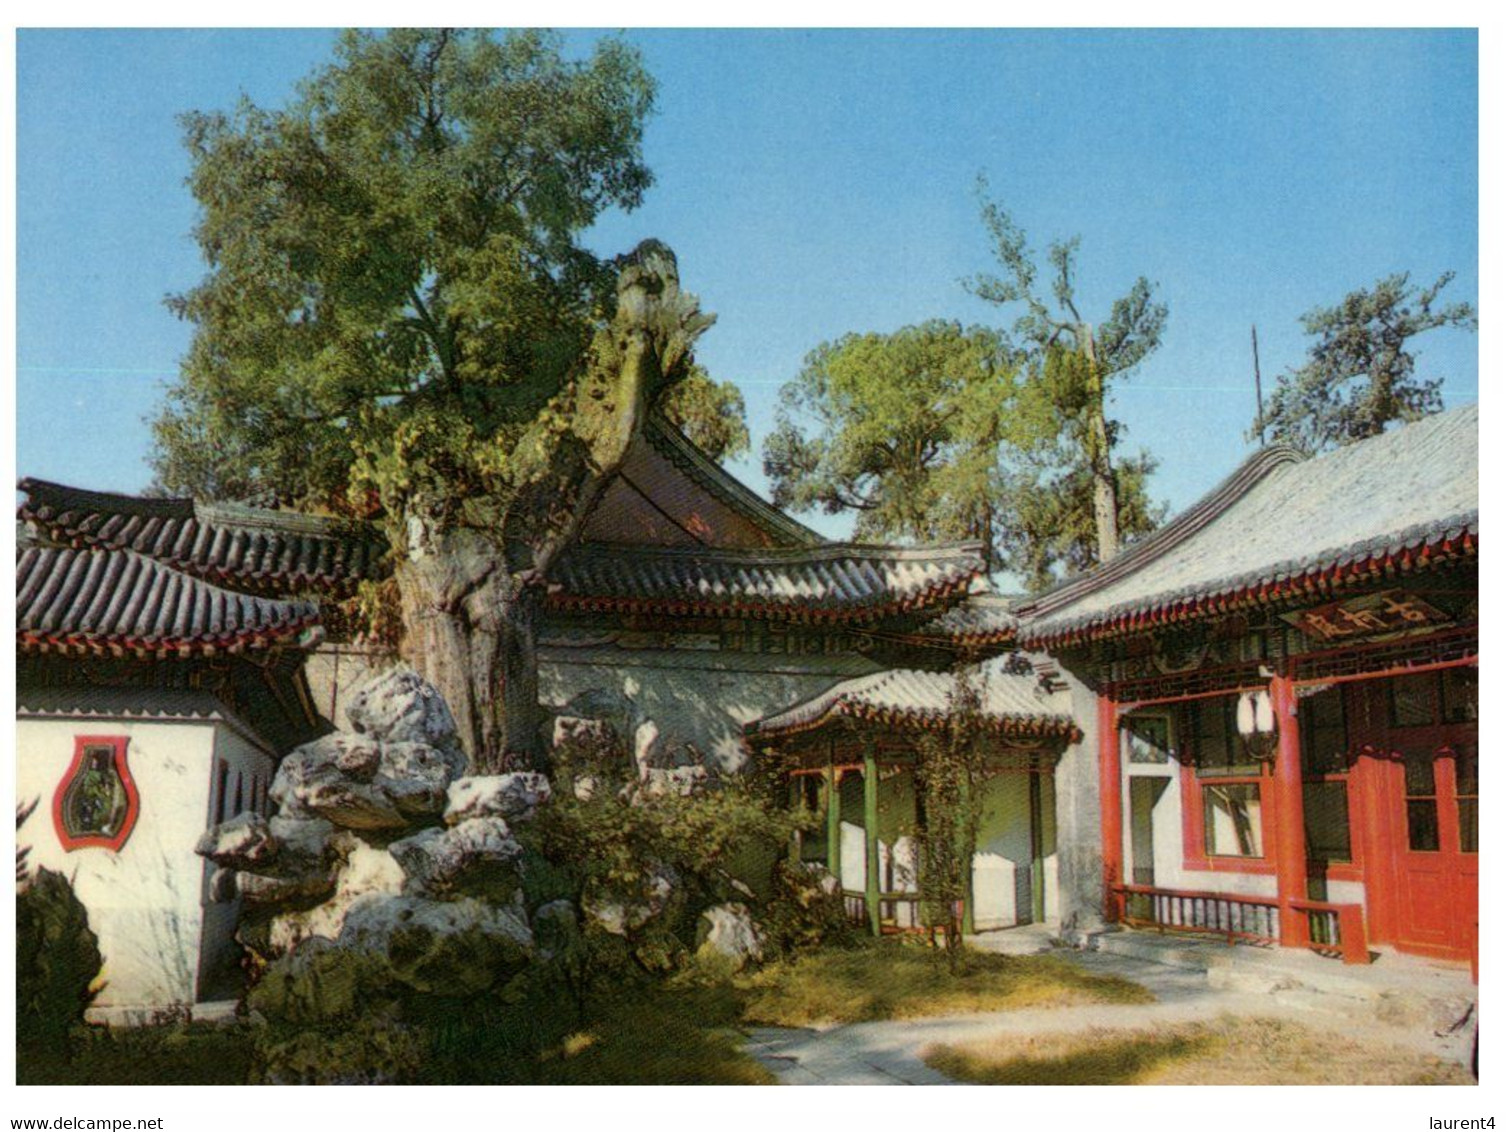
1012, 705
1396, 505
96, 803
828, 584
119, 603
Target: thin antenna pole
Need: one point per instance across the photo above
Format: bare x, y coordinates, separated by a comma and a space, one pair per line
1259, 400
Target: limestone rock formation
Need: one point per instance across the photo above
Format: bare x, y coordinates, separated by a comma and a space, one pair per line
513, 797
728, 933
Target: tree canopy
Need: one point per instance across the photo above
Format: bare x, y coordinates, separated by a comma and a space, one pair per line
400, 320
1074, 499
1360, 374
902, 429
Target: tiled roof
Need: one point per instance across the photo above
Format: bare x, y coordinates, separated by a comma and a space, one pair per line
979, 620
118, 601
899, 697
1283, 527
280, 551
835, 582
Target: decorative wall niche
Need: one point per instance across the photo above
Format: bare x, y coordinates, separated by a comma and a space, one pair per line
96, 803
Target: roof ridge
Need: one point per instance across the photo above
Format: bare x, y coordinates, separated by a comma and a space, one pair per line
165, 507
783, 554
1231, 488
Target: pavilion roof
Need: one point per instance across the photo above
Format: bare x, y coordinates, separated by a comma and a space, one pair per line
121, 602
1284, 528
280, 551
1011, 704
835, 582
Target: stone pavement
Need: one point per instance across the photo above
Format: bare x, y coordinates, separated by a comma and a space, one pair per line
889, 1053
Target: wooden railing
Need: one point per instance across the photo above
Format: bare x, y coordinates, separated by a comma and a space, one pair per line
890, 919
1331, 929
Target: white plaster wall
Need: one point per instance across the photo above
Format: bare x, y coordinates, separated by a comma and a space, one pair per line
144, 901
697, 698
1003, 850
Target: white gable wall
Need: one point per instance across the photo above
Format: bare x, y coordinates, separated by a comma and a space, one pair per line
144, 902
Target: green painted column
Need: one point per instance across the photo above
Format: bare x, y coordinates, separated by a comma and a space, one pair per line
967, 860
1037, 853
794, 804
834, 821
870, 837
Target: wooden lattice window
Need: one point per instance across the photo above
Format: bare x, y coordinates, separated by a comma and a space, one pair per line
96, 803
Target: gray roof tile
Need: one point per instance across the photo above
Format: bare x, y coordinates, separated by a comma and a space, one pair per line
277, 551
1280, 520
107, 600
901, 697
835, 582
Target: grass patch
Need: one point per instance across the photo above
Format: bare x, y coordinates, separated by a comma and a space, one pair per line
1228, 1051
885, 979
681, 1033
160, 1055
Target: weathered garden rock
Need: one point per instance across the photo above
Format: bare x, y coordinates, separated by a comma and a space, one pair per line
678, 782
822, 878
727, 933
585, 787
624, 915
299, 837
311, 780
243, 842
366, 870
415, 777
555, 927
515, 797
449, 948
478, 856
400, 706
254, 888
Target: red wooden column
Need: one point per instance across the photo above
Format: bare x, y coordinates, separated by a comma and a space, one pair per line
1111, 802
1291, 842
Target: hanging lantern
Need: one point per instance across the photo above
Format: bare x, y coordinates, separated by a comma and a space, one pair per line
1255, 720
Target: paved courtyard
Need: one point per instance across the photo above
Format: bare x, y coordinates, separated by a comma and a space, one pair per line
890, 1053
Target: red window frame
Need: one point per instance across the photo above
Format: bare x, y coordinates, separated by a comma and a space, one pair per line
1194, 830
114, 843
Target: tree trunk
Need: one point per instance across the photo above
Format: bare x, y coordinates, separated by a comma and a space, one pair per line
469, 629
1100, 461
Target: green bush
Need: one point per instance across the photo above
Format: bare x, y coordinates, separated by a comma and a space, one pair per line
802, 915
57, 962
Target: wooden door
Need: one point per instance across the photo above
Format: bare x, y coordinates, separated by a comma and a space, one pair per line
1422, 875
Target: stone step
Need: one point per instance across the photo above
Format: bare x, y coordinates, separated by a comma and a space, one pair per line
1396, 987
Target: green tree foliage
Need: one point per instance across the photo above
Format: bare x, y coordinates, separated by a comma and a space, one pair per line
902, 429
1051, 526
711, 413
399, 320
1073, 361
1359, 375
949, 776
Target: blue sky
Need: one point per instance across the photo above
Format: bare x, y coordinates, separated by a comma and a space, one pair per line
815, 183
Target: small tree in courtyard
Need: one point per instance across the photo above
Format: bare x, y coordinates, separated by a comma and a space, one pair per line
948, 776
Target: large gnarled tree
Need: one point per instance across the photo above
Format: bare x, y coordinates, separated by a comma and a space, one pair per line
399, 322
1074, 360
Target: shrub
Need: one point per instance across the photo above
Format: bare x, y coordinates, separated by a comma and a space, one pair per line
57, 962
